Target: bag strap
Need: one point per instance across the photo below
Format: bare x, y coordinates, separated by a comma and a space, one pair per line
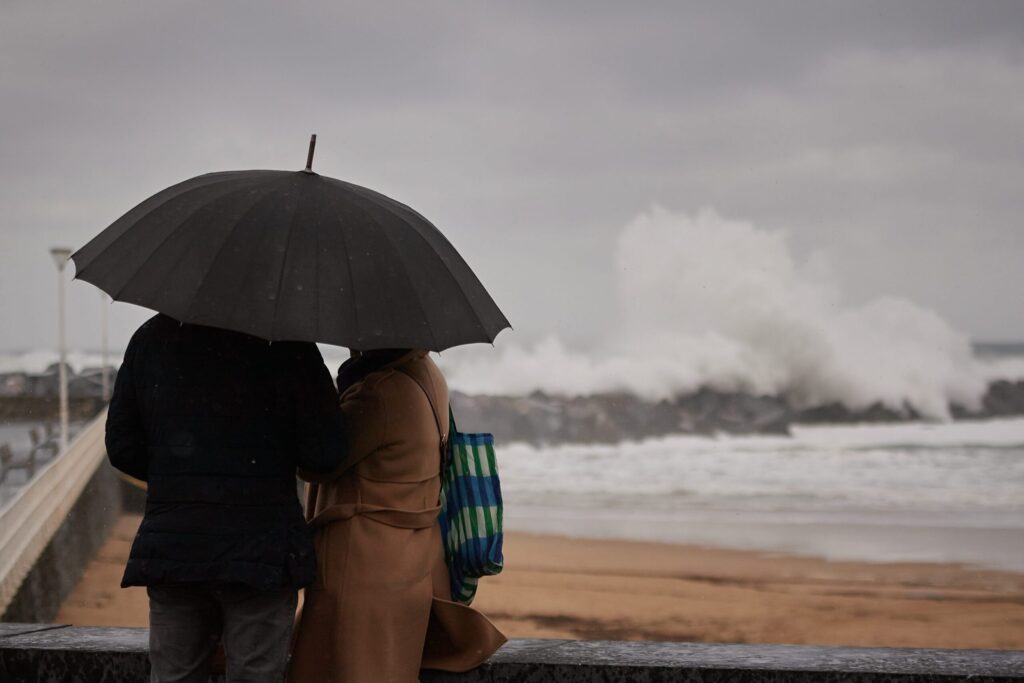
444, 436
430, 399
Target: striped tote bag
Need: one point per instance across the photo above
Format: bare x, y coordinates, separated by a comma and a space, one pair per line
471, 511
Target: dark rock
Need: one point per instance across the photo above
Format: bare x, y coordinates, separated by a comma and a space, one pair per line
1004, 398
710, 411
609, 418
837, 413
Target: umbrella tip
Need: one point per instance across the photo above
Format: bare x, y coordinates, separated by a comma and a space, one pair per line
309, 157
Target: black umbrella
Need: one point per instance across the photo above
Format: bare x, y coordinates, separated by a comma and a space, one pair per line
295, 256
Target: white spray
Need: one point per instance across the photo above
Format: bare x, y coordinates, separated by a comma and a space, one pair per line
707, 301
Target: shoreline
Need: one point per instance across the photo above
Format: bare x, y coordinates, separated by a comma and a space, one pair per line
561, 587
977, 540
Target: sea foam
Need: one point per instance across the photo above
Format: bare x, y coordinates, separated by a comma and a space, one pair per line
967, 466
706, 301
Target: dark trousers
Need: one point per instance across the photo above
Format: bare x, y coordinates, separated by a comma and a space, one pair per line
186, 621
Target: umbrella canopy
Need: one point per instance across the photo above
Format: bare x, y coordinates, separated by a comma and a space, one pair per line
294, 256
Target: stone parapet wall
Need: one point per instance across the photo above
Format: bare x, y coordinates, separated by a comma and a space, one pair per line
50, 654
53, 526
60, 566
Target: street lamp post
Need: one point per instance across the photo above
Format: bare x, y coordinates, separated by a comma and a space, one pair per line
60, 258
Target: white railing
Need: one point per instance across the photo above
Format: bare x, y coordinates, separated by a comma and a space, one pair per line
30, 519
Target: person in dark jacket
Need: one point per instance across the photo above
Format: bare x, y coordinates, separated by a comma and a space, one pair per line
217, 423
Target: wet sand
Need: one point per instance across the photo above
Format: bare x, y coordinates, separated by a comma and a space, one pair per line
555, 587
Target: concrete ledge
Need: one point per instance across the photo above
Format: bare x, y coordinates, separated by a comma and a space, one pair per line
38, 652
50, 653
60, 566
54, 525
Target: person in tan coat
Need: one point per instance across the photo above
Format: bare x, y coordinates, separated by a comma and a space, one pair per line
380, 608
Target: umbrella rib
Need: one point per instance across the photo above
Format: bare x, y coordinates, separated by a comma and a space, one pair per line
284, 262
168, 237
220, 250
316, 283
412, 286
351, 279
411, 226
135, 223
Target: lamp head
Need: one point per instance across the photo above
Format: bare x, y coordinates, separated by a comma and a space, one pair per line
60, 256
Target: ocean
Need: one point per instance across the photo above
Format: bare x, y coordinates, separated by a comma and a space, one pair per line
913, 492
928, 492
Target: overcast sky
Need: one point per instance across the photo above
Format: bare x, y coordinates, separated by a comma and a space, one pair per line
887, 137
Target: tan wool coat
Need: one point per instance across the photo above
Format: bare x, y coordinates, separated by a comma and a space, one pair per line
380, 608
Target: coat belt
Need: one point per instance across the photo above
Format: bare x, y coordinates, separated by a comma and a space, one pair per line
396, 517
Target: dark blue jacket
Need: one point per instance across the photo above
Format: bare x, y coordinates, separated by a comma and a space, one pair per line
217, 422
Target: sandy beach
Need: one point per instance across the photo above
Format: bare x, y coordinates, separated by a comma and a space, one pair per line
555, 587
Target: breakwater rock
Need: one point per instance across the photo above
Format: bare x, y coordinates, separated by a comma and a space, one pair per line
541, 418
608, 418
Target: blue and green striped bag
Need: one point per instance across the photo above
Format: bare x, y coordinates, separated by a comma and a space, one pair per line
471, 511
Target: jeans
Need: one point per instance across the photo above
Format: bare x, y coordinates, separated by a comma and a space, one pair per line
186, 621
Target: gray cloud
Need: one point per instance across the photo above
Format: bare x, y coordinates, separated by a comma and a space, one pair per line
887, 135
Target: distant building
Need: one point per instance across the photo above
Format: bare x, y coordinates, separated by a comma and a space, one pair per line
13, 383
86, 384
